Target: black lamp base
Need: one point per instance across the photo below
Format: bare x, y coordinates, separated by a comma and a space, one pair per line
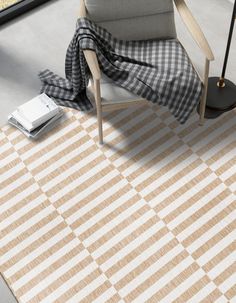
219, 99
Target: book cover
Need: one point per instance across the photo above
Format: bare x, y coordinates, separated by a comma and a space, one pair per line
37, 132
35, 112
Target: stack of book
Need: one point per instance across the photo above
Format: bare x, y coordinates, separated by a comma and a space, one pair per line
36, 116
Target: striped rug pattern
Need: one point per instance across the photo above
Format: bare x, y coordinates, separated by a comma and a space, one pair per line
148, 217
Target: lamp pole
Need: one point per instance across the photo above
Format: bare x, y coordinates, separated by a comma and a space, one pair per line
221, 95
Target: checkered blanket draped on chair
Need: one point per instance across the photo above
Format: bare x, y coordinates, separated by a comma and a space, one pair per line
157, 70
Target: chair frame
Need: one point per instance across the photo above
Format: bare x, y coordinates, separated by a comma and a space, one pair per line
92, 62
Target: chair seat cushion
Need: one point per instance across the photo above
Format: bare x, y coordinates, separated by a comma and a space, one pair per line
112, 93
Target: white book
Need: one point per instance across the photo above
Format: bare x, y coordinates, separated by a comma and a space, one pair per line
35, 112
40, 130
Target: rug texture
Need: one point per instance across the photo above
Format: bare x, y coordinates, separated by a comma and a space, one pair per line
148, 217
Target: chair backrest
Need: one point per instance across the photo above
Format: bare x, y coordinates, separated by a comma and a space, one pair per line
134, 19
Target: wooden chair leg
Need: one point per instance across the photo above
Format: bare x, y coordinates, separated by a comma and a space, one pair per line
100, 131
204, 97
99, 109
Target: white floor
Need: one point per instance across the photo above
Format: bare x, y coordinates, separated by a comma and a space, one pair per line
5, 293
39, 40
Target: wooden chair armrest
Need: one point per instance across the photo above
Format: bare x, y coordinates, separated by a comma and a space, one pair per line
90, 56
82, 9
194, 28
92, 62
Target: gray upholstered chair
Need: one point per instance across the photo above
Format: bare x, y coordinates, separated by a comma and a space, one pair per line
136, 20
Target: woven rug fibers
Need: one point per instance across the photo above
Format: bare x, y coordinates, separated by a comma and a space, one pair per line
148, 217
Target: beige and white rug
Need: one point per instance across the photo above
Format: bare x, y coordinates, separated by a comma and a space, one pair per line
148, 217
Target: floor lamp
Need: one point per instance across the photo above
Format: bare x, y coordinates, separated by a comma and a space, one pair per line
221, 95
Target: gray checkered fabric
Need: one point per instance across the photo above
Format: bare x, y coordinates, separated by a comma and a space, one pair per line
157, 70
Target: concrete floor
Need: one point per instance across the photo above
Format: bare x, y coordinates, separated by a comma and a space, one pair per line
39, 39
5, 293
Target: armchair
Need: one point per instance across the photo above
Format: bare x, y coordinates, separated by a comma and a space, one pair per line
156, 21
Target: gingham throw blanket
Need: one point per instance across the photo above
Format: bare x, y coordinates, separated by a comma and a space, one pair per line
158, 70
